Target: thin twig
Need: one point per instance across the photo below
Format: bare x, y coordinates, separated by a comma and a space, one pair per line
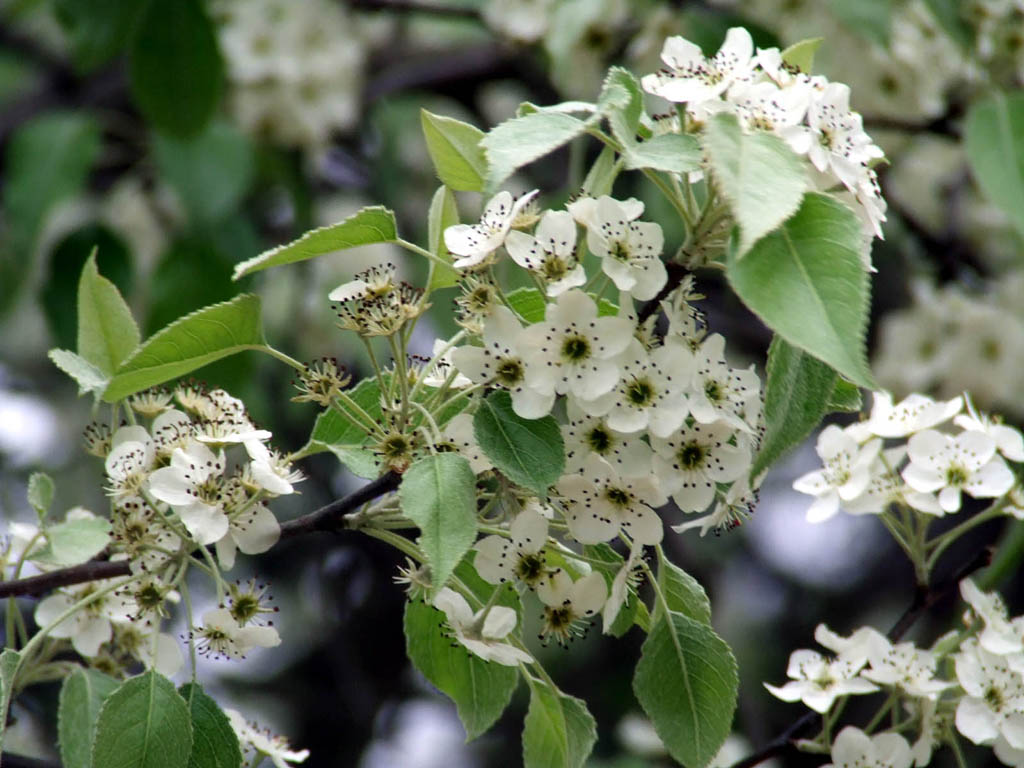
676, 273
414, 6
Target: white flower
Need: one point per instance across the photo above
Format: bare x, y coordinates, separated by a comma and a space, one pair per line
1008, 440
690, 463
475, 242
887, 487
620, 588
221, 636
912, 414
442, 368
994, 702
845, 476
966, 462
999, 636
931, 730
500, 559
549, 252
584, 435
839, 142
818, 681
89, 627
374, 283
731, 510
568, 603
459, 432
192, 486
863, 644
691, 77
718, 392
253, 739
855, 749
253, 531
270, 470
764, 106
483, 631
908, 667
128, 464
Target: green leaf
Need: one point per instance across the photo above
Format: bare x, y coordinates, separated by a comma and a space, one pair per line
438, 493
444, 213
520, 141
210, 172
10, 660
686, 682
480, 689
334, 428
871, 19
143, 724
601, 177
994, 140
760, 177
801, 54
623, 113
530, 452
107, 333
81, 698
374, 224
845, 397
97, 30
531, 306
40, 493
88, 377
806, 282
175, 69
683, 593
796, 398
191, 273
454, 147
214, 743
189, 343
73, 542
558, 732
948, 14
672, 152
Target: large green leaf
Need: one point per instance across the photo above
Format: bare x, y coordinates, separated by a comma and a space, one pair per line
444, 213
759, 176
558, 732
369, 225
522, 140
97, 29
73, 542
686, 682
438, 493
175, 69
143, 724
107, 333
807, 283
454, 147
214, 743
480, 689
683, 593
189, 343
796, 397
529, 452
994, 140
672, 152
210, 172
81, 698
845, 397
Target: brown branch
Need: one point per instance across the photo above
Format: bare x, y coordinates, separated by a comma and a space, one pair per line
22, 761
676, 273
414, 6
327, 518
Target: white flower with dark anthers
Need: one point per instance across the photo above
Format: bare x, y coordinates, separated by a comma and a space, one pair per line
459, 433
691, 77
730, 512
846, 474
274, 474
764, 106
949, 465
839, 142
475, 242
568, 603
518, 557
886, 487
907, 667
253, 739
718, 392
374, 283
872, 209
573, 351
599, 503
999, 635
818, 681
912, 414
253, 531
502, 361
442, 369
864, 643
129, 462
630, 251
649, 394
855, 749
482, 632
136, 638
1009, 441
172, 429
993, 706
221, 636
584, 435
192, 486
549, 252
90, 627
690, 463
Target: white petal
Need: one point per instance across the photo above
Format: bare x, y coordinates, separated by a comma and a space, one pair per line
260, 532
499, 622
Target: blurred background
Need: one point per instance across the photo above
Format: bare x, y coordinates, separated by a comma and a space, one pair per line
180, 138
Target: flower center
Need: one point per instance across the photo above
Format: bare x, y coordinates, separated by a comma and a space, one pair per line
509, 372
575, 348
530, 569
599, 440
994, 699
955, 475
713, 391
554, 268
617, 496
640, 393
691, 455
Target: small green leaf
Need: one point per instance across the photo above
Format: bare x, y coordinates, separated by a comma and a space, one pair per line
531, 306
97, 30
686, 682
796, 398
175, 68
88, 377
994, 140
189, 343
73, 542
143, 724
801, 54
107, 333
369, 225
520, 141
601, 177
806, 282
623, 113
558, 732
759, 176
334, 428
530, 452
40, 493
480, 689
845, 397
81, 698
210, 172
683, 593
10, 660
438, 493
444, 213
672, 152
454, 147
871, 19
214, 743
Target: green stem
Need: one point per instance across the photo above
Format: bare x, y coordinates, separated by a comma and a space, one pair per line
422, 252
282, 357
942, 541
398, 542
187, 600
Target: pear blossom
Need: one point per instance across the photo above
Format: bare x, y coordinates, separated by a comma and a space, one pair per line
839, 142
967, 462
568, 603
906, 666
930, 731
731, 510
818, 681
717, 391
221, 636
252, 530
500, 559
482, 632
131, 458
373, 283
584, 435
90, 627
475, 242
691, 77
865, 643
691, 462
458, 432
887, 487
619, 594
855, 749
549, 252
253, 739
442, 368
999, 635
274, 475
912, 414
993, 704
1008, 440
192, 486
845, 476
764, 106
